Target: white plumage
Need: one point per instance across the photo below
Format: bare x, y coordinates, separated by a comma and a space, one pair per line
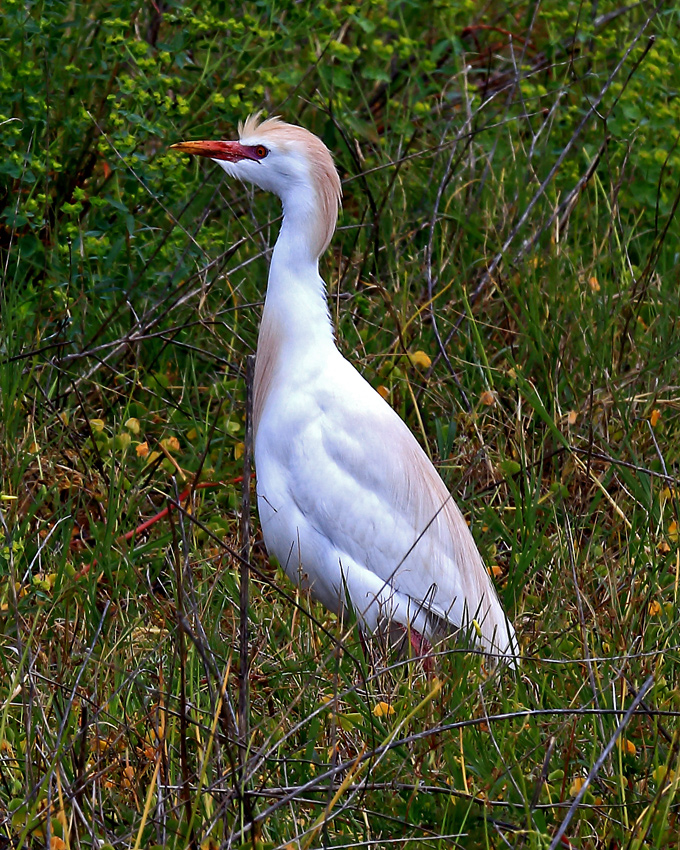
349, 502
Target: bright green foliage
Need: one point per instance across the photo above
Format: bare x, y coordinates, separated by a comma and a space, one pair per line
506, 273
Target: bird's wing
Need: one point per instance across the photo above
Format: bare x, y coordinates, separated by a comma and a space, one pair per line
357, 474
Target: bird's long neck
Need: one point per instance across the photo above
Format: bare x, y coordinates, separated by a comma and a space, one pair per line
296, 329
296, 295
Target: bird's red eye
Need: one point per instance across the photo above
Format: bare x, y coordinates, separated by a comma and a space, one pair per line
261, 151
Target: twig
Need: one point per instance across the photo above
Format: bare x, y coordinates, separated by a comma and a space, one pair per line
431, 282
243, 674
184, 792
540, 782
594, 770
320, 780
581, 617
498, 258
140, 529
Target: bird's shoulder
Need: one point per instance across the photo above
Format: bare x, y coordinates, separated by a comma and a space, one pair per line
327, 399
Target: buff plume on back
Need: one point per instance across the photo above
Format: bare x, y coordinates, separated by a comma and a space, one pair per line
349, 503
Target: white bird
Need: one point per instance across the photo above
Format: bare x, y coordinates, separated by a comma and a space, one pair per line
349, 503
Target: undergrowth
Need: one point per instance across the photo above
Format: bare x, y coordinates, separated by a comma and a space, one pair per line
505, 273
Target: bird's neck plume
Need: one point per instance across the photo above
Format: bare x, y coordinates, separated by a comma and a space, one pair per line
309, 218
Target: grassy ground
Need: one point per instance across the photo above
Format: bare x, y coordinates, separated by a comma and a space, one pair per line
506, 269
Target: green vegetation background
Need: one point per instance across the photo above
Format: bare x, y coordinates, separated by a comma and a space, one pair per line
506, 272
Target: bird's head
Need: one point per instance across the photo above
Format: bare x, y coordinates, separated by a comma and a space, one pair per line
287, 160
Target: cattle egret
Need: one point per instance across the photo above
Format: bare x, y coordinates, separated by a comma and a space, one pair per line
349, 503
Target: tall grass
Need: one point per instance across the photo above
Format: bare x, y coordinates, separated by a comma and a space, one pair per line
506, 270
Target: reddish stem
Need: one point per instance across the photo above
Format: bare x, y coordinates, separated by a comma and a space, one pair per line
129, 535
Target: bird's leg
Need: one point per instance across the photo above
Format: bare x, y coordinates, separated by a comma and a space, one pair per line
422, 648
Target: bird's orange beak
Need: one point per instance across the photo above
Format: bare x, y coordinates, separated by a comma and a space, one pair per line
228, 151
